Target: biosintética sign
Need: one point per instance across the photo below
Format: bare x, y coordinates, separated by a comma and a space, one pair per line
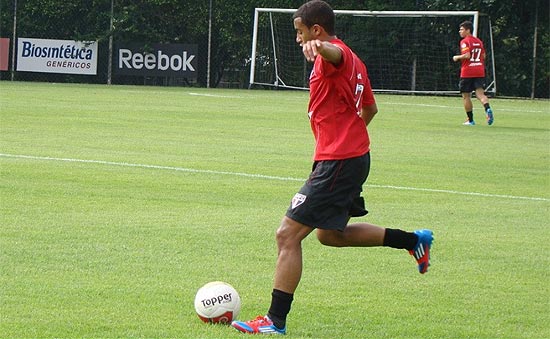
57, 56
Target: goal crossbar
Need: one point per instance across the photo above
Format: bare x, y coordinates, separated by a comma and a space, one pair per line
415, 14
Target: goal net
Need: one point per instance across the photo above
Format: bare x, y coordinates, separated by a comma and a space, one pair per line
405, 51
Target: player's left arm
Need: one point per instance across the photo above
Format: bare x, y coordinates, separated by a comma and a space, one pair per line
325, 49
464, 56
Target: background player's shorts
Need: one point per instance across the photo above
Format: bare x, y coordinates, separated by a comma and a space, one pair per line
467, 85
331, 195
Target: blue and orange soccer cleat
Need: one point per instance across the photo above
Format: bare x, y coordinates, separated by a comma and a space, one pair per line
421, 252
260, 325
490, 118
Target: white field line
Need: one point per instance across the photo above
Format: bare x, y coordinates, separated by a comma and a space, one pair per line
443, 106
382, 103
216, 95
261, 176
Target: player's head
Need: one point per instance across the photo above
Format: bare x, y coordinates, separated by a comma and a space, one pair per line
311, 16
465, 28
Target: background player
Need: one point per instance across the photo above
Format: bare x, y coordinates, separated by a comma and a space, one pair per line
472, 72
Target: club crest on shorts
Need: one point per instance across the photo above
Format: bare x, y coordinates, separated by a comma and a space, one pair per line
298, 199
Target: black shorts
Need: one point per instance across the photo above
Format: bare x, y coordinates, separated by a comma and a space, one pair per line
467, 85
331, 195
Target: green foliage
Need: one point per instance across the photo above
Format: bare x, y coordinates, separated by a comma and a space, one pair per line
172, 21
117, 203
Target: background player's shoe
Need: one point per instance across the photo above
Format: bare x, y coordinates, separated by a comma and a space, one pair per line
421, 252
490, 117
469, 123
260, 325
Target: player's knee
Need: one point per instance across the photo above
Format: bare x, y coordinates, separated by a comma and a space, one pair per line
281, 235
329, 238
286, 234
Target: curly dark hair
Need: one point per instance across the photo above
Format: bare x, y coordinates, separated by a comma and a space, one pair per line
316, 12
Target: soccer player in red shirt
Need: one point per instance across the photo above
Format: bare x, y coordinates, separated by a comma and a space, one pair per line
341, 106
472, 72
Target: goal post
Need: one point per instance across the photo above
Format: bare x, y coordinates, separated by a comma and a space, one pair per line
405, 51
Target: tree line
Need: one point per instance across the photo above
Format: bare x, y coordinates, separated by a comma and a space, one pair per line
521, 31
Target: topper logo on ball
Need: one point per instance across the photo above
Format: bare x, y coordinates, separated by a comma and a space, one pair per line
217, 302
221, 299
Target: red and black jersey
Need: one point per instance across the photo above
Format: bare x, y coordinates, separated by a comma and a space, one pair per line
475, 66
337, 95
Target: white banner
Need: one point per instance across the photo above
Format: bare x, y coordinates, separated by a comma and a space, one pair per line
57, 56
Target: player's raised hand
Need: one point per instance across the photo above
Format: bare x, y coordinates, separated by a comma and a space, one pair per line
311, 49
325, 49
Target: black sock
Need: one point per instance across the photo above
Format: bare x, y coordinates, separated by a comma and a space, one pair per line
280, 306
486, 106
400, 239
470, 116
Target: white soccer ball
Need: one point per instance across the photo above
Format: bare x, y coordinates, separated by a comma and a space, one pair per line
217, 302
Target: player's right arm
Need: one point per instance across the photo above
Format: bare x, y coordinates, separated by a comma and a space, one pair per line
368, 112
367, 101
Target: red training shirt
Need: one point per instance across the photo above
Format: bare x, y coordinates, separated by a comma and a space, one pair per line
337, 94
475, 66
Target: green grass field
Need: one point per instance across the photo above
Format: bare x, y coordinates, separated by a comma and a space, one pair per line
118, 203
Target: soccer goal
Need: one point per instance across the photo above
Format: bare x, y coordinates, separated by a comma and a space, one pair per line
405, 51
